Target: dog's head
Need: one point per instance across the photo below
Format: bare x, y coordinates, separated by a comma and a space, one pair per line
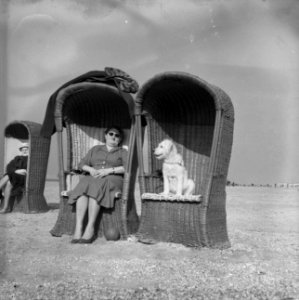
164, 149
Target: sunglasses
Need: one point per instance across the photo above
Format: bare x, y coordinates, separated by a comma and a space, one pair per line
114, 134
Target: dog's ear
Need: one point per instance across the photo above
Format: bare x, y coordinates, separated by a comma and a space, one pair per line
168, 146
174, 148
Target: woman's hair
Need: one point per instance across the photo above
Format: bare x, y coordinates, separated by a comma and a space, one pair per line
121, 133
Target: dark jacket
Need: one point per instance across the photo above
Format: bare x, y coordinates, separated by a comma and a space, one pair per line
17, 180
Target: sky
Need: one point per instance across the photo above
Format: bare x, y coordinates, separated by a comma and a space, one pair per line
247, 48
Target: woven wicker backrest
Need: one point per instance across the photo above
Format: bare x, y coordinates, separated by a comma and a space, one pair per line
183, 108
15, 134
87, 110
81, 138
11, 149
196, 162
19, 131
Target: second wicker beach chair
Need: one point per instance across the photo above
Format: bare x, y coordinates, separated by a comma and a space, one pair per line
199, 118
31, 199
85, 107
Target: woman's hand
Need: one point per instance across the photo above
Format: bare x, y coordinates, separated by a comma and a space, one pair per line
99, 173
93, 172
21, 172
103, 172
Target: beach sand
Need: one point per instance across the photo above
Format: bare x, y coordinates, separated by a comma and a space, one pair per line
262, 263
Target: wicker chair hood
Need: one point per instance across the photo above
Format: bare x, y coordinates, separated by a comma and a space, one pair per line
89, 104
178, 85
110, 77
21, 129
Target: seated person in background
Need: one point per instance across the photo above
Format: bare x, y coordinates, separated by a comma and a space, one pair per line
15, 176
105, 165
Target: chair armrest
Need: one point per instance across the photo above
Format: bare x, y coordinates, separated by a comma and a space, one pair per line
75, 172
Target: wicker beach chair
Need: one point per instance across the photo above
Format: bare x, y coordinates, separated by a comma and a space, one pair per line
82, 109
199, 118
31, 198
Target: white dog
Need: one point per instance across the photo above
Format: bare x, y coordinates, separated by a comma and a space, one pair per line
174, 173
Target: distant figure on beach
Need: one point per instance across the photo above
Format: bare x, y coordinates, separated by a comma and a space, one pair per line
105, 165
15, 177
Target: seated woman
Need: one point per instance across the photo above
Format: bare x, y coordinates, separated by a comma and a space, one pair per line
15, 176
105, 165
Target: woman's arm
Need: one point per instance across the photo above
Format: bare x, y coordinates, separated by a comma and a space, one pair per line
110, 171
92, 171
12, 166
118, 170
21, 171
103, 172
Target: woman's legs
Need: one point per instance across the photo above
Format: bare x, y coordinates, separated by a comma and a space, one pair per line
7, 192
81, 208
93, 211
3, 181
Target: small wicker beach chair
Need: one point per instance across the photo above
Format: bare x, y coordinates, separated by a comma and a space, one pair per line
199, 118
31, 198
85, 107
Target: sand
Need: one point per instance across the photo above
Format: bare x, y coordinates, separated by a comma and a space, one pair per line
262, 262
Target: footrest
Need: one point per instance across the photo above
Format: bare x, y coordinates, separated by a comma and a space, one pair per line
171, 198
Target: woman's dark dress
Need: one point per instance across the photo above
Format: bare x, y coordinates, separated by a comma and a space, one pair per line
17, 181
102, 189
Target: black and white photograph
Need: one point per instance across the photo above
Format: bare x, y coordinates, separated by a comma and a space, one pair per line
149, 149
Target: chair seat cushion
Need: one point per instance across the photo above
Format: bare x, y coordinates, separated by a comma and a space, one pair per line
171, 198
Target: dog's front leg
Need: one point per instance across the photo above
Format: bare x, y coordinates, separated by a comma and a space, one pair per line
166, 185
180, 185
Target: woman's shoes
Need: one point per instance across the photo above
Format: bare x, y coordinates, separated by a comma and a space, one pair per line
75, 241
118, 195
64, 194
87, 241
83, 241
